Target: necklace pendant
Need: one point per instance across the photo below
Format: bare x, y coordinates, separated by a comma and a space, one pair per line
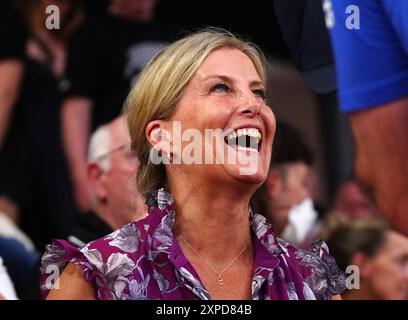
220, 280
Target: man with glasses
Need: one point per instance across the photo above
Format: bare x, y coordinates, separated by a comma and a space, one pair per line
111, 170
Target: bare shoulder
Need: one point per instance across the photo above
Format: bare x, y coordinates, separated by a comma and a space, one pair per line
336, 297
72, 286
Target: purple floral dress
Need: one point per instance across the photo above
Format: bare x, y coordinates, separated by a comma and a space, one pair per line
143, 260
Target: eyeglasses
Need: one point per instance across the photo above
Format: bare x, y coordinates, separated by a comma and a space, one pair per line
126, 147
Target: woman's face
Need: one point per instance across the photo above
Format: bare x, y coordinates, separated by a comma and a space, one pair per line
387, 273
227, 95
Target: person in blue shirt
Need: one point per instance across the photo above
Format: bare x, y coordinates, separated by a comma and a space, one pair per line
370, 44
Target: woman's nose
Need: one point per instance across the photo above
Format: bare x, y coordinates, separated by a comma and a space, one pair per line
249, 104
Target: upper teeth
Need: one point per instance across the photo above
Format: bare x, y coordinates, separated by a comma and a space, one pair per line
252, 132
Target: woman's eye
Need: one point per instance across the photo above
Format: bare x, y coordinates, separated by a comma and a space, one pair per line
260, 93
220, 87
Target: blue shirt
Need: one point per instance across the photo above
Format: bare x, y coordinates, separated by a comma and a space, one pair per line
372, 61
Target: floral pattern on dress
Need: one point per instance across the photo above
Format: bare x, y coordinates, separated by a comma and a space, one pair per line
138, 288
195, 285
326, 278
143, 260
115, 270
126, 238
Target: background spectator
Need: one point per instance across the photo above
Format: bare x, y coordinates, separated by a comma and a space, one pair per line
112, 169
11, 62
20, 262
381, 255
12, 48
7, 291
351, 201
33, 175
375, 96
105, 59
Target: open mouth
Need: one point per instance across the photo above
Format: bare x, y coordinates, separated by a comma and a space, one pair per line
245, 139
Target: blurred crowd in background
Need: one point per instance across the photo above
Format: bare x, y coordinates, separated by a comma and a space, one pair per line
66, 168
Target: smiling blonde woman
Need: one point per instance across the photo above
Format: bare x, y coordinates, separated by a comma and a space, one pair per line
200, 240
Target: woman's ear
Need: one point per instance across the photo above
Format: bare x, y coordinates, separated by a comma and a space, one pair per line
153, 132
158, 136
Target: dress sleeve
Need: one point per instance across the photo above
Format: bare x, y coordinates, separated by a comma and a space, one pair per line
328, 280
56, 257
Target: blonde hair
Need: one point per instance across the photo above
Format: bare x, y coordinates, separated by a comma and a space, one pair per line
161, 84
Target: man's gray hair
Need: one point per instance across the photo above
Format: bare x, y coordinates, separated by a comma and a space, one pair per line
99, 145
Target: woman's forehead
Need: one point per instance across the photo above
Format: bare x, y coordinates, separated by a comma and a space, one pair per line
229, 62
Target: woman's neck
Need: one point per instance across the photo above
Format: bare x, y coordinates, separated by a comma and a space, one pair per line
212, 221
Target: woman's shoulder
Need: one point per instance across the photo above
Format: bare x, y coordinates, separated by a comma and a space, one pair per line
103, 260
124, 240
133, 239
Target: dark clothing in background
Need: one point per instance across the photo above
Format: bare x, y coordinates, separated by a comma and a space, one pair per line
13, 37
304, 30
33, 173
20, 263
89, 227
12, 32
105, 58
50, 210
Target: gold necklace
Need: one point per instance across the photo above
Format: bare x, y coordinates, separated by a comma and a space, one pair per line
220, 280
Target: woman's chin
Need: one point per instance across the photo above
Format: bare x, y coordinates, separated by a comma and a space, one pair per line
250, 176
246, 165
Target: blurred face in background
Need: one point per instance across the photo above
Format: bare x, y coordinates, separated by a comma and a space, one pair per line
135, 10
120, 180
70, 16
385, 275
64, 6
287, 186
352, 202
293, 187
114, 184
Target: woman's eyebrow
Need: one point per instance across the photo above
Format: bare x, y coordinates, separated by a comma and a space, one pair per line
219, 77
230, 79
